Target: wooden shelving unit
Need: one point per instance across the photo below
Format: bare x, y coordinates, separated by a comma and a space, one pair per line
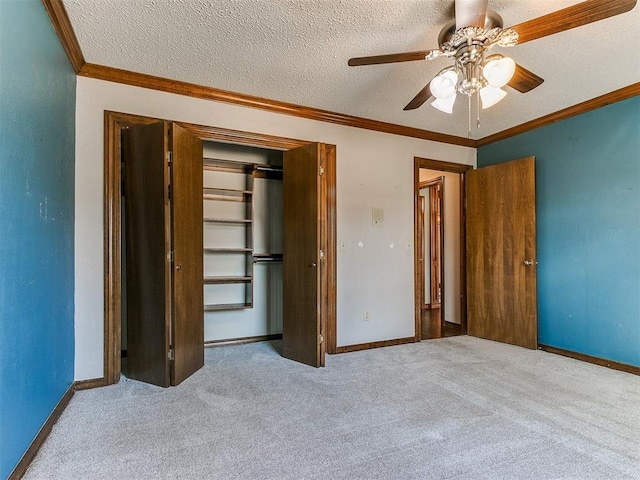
220, 280
244, 195
218, 307
227, 194
227, 250
233, 221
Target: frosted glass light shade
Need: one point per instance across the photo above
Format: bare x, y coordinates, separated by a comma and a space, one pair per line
491, 95
498, 72
444, 104
443, 85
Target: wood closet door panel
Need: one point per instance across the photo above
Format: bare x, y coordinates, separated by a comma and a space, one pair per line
501, 253
187, 239
303, 269
146, 244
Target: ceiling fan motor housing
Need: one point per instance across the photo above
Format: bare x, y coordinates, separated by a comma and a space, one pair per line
492, 20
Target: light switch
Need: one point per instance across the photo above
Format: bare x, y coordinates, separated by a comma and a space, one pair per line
377, 216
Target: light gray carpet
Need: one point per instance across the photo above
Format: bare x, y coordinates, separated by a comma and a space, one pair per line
455, 408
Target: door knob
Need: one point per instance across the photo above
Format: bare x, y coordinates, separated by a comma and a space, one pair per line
313, 265
528, 263
178, 267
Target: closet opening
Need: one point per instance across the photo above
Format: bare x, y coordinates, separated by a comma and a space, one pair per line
242, 254
242, 246
243, 221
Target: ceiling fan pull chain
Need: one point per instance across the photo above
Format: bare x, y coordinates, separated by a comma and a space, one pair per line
469, 133
477, 110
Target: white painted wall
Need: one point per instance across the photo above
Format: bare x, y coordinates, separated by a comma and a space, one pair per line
373, 170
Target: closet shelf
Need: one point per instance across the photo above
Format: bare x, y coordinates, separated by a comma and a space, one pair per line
232, 221
228, 250
258, 170
221, 165
226, 306
225, 280
227, 194
216, 190
269, 172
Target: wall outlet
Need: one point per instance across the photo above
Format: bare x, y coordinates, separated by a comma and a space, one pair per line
343, 245
365, 315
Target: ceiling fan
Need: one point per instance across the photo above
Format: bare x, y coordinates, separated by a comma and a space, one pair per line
472, 34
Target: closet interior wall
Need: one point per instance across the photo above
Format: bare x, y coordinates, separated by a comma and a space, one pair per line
237, 309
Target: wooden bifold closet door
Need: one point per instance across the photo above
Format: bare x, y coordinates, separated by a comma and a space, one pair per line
308, 279
163, 245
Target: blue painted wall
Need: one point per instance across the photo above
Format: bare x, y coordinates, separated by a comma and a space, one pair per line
588, 226
37, 122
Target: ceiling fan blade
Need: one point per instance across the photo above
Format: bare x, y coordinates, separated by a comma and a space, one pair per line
571, 17
390, 58
470, 13
523, 80
422, 96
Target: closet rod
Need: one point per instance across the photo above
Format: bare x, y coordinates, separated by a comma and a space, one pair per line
267, 168
267, 258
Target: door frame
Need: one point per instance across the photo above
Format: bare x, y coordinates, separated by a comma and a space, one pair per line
114, 123
441, 166
430, 184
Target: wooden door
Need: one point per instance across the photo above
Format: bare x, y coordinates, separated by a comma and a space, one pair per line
306, 267
436, 225
501, 253
187, 326
422, 256
146, 245
163, 245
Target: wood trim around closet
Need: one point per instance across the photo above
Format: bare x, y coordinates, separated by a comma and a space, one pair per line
114, 124
243, 138
126, 77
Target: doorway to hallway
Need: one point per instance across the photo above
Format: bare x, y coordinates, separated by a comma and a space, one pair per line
440, 273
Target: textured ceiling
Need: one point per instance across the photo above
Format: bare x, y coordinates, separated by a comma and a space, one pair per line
297, 50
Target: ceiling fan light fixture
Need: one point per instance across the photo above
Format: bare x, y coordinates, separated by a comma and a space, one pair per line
491, 95
444, 104
444, 85
498, 70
